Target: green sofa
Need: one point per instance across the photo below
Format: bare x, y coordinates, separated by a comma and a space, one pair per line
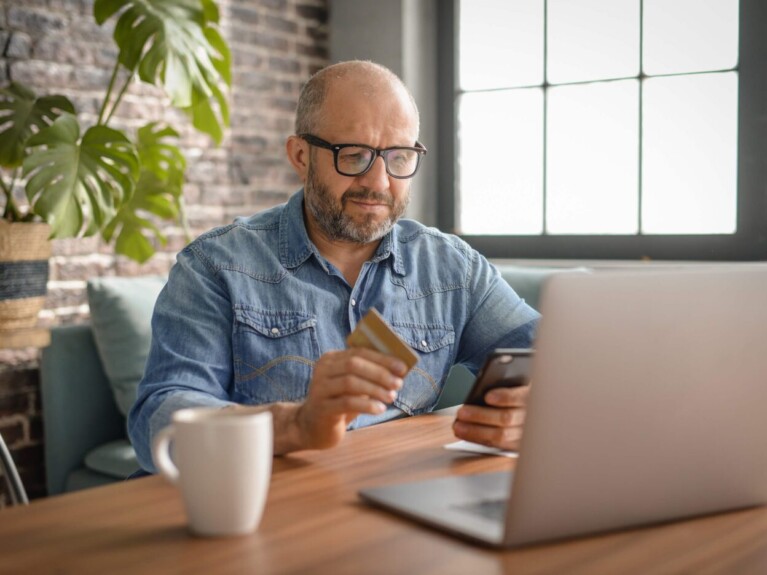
89, 373
88, 379
80, 416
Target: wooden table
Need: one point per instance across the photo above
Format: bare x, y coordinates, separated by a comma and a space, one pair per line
315, 523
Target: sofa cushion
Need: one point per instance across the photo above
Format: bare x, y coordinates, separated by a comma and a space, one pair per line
527, 281
121, 314
116, 459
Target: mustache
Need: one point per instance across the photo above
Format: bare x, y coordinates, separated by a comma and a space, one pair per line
367, 195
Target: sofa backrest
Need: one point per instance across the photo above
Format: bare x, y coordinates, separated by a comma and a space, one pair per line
79, 410
89, 373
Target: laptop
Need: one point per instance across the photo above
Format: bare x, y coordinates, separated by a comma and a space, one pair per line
647, 405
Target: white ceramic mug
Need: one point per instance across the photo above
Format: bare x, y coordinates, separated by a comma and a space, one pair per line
223, 465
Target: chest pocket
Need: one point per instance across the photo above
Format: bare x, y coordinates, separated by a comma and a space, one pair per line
274, 354
434, 346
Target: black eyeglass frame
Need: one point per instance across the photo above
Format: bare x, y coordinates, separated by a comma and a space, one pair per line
419, 148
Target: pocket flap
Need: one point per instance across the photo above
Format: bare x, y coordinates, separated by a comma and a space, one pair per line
425, 338
274, 324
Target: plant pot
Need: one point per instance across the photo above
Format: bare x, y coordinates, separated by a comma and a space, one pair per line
24, 253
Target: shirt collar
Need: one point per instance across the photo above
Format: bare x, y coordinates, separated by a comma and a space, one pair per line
296, 247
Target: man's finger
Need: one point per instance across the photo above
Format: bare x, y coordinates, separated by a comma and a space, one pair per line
506, 438
491, 416
508, 396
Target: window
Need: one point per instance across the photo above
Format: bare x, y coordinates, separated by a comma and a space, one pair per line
605, 128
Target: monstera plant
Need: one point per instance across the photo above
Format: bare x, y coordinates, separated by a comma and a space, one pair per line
101, 180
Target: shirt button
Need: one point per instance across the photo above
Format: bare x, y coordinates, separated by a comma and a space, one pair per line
354, 302
423, 343
275, 331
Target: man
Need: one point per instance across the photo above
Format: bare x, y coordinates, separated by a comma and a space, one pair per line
255, 314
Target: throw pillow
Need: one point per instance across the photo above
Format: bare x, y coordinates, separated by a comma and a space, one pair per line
116, 459
121, 313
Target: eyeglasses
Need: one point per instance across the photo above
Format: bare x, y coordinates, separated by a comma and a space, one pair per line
356, 159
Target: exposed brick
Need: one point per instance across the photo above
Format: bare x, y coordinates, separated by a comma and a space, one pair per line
15, 360
36, 428
19, 45
36, 4
280, 64
28, 456
283, 104
319, 13
312, 50
271, 41
78, 268
281, 24
245, 15
317, 33
72, 246
159, 265
89, 78
248, 81
12, 429
23, 378
277, 5
33, 479
66, 297
62, 49
42, 76
16, 403
36, 22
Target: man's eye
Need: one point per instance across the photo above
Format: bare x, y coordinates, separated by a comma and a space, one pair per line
354, 157
401, 158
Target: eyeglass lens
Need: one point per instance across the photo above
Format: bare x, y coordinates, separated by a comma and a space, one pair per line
353, 160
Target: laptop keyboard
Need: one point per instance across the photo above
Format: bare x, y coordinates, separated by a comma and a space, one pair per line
493, 509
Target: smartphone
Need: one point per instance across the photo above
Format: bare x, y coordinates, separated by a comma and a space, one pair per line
502, 368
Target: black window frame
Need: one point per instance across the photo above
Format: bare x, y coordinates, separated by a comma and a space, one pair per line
748, 243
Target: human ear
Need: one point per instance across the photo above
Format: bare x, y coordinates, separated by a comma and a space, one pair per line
298, 154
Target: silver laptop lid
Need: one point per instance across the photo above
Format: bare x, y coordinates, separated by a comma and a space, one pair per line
648, 401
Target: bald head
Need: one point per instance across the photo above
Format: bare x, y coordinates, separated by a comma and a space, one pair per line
365, 79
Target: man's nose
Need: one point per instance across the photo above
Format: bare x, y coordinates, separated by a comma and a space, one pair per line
376, 177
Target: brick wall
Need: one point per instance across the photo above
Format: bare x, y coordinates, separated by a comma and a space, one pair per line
55, 45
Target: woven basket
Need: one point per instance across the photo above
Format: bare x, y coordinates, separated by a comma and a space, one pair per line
24, 253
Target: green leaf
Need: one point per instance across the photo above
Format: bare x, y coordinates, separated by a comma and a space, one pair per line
175, 44
22, 114
76, 185
158, 193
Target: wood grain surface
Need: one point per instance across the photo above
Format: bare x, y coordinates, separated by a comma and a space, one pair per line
314, 522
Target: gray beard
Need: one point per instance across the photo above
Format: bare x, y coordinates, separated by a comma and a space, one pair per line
336, 224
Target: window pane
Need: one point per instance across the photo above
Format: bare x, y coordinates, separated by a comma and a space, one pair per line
689, 174
593, 151
690, 35
501, 162
592, 40
501, 43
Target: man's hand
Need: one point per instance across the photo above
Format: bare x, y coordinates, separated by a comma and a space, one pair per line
497, 426
345, 383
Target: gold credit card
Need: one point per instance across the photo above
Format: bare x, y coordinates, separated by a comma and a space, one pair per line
373, 332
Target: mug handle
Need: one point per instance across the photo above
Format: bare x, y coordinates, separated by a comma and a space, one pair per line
161, 453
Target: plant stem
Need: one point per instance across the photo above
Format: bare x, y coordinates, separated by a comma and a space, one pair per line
11, 213
108, 93
125, 87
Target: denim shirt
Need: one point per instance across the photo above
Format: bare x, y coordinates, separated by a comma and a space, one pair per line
250, 307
